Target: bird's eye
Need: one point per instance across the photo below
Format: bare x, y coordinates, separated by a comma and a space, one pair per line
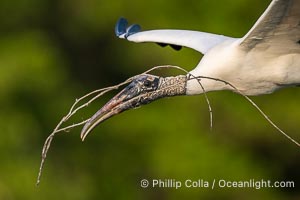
147, 83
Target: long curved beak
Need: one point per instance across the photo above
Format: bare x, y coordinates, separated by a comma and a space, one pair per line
143, 90
119, 103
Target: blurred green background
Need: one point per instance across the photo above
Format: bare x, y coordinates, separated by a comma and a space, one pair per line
53, 51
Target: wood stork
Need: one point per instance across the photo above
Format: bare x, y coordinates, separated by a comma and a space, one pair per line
267, 58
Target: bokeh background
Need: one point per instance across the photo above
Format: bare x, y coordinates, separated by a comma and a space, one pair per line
53, 51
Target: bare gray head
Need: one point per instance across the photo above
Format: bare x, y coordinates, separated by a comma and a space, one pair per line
142, 90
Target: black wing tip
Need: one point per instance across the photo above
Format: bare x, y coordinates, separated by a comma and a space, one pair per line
175, 47
122, 28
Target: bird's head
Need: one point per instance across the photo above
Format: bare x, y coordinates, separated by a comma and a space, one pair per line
142, 90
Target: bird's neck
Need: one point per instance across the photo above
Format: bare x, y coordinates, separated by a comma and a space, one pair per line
173, 85
189, 85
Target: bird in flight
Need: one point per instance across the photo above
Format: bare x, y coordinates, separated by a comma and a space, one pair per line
266, 59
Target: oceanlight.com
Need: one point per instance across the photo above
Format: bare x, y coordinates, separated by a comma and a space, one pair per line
216, 183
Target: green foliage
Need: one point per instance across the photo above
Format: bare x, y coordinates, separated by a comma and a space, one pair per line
54, 51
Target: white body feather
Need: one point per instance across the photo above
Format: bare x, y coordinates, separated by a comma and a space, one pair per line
267, 58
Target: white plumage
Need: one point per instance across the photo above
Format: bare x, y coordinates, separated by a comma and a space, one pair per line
267, 58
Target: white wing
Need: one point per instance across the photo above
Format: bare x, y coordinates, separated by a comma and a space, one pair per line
278, 29
199, 41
